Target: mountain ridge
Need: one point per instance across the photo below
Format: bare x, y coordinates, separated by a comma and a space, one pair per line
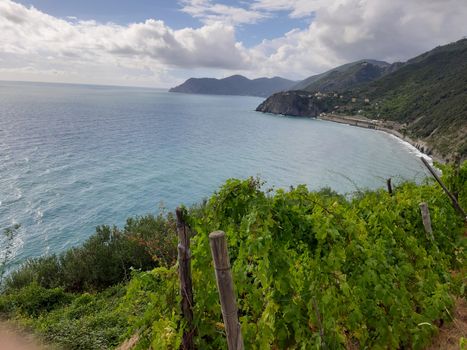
344, 76
234, 85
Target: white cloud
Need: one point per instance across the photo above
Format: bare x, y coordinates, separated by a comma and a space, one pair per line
348, 30
208, 12
35, 39
36, 45
296, 8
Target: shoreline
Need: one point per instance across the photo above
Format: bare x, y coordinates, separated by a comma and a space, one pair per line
433, 156
366, 123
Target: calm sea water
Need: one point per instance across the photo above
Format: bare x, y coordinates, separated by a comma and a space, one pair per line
73, 157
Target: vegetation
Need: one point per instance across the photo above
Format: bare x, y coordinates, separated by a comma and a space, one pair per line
74, 321
347, 76
423, 98
105, 259
9, 234
427, 94
312, 270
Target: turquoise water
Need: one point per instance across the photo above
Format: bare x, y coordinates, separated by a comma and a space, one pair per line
73, 157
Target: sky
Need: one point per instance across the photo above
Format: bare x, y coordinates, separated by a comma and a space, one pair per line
161, 43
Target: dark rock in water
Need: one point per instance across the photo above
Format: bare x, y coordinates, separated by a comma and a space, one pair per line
294, 103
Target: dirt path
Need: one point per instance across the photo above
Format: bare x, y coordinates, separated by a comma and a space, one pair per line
450, 334
14, 339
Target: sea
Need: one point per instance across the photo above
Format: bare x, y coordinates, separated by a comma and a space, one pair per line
73, 157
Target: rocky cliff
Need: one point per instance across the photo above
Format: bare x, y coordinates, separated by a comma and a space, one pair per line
294, 103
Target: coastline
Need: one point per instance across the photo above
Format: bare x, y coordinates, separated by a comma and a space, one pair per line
363, 122
416, 144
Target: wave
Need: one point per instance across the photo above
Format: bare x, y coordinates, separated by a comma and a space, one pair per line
15, 196
38, 215
412, 149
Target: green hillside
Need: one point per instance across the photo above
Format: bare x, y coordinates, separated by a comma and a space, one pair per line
344, 77
424, 98
429, 93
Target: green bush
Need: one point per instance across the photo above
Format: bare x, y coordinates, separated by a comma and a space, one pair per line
105, 259
152, 301
157, 234
9, 234
33, 300
455, 178
45, 271
90, 321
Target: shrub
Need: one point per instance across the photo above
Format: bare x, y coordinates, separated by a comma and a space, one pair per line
45, 271
105, 259
9, 234
157, 234
152, 300
90, 321
33, 300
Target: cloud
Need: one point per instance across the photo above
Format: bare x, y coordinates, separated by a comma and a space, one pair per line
348, 30
39, 40
208, 12
296, 8
151, 53
31, 32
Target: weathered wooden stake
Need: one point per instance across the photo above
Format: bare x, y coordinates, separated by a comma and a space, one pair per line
426, 220
388, 182
184, 272
225, 286
455, 204
320, 324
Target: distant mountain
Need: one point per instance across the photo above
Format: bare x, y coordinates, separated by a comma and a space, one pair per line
424, 98
344, 77
234, 85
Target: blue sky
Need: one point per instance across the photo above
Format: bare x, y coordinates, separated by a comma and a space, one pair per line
171, 12
122, 12
160, 43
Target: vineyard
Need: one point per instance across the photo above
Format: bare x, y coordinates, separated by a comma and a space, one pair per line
312, 270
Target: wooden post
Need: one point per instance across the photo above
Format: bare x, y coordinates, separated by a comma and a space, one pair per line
320, 324
388, 182
426, 220
457, 165
455, 204
225, 286
184, 272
